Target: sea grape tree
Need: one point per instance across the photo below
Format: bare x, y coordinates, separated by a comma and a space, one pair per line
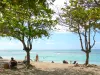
81, 17
25, 22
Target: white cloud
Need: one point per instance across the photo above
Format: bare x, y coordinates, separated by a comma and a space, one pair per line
58, 4
61, 29
13, 43
50, 42
36, 42
62, 32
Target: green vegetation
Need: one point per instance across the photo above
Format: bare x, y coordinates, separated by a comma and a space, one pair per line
26, 20
81, 17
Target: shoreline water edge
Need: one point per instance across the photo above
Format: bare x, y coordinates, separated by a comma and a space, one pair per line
54, 55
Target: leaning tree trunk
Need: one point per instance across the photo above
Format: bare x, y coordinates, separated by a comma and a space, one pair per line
28, 58
27, 48
87, 58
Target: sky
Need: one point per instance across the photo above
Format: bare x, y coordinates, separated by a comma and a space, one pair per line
59, 40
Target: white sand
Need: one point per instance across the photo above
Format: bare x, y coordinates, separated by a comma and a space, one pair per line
46, 68
70, 67
48, 65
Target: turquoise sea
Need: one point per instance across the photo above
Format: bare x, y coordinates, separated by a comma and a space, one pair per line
54, 55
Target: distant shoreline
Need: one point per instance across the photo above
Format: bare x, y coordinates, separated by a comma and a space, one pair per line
54, 55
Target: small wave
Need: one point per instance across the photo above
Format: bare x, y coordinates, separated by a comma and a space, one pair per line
58, 53
7, 57
33, 52
16, 53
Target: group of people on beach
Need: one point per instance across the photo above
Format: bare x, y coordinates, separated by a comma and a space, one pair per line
66, 62
36, 59
13, 62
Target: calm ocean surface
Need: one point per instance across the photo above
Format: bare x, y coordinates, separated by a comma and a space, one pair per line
54, 55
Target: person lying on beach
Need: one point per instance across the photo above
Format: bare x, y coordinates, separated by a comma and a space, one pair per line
65, 62
13, 63
76, 65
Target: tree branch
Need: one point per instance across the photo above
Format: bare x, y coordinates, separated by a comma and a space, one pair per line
83, 50
80, 39
93, 39
89, 39
61, 20
96, 2
24, 45
85, 36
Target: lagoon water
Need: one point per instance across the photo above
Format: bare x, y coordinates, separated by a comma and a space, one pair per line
54, 55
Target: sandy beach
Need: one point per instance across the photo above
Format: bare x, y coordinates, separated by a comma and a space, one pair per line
48, 65
47, 68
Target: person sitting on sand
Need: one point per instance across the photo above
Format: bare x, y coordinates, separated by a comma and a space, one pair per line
37, 58
74, 62
25, 60
76, 65
52, 62
13, 63
65, 62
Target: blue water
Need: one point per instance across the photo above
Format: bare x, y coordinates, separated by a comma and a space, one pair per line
54, 55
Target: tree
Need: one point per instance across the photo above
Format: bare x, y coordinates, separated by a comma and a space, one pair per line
97, 2
81, 19
26, 23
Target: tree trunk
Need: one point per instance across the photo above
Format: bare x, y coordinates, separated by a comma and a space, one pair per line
87, 58
28, 59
